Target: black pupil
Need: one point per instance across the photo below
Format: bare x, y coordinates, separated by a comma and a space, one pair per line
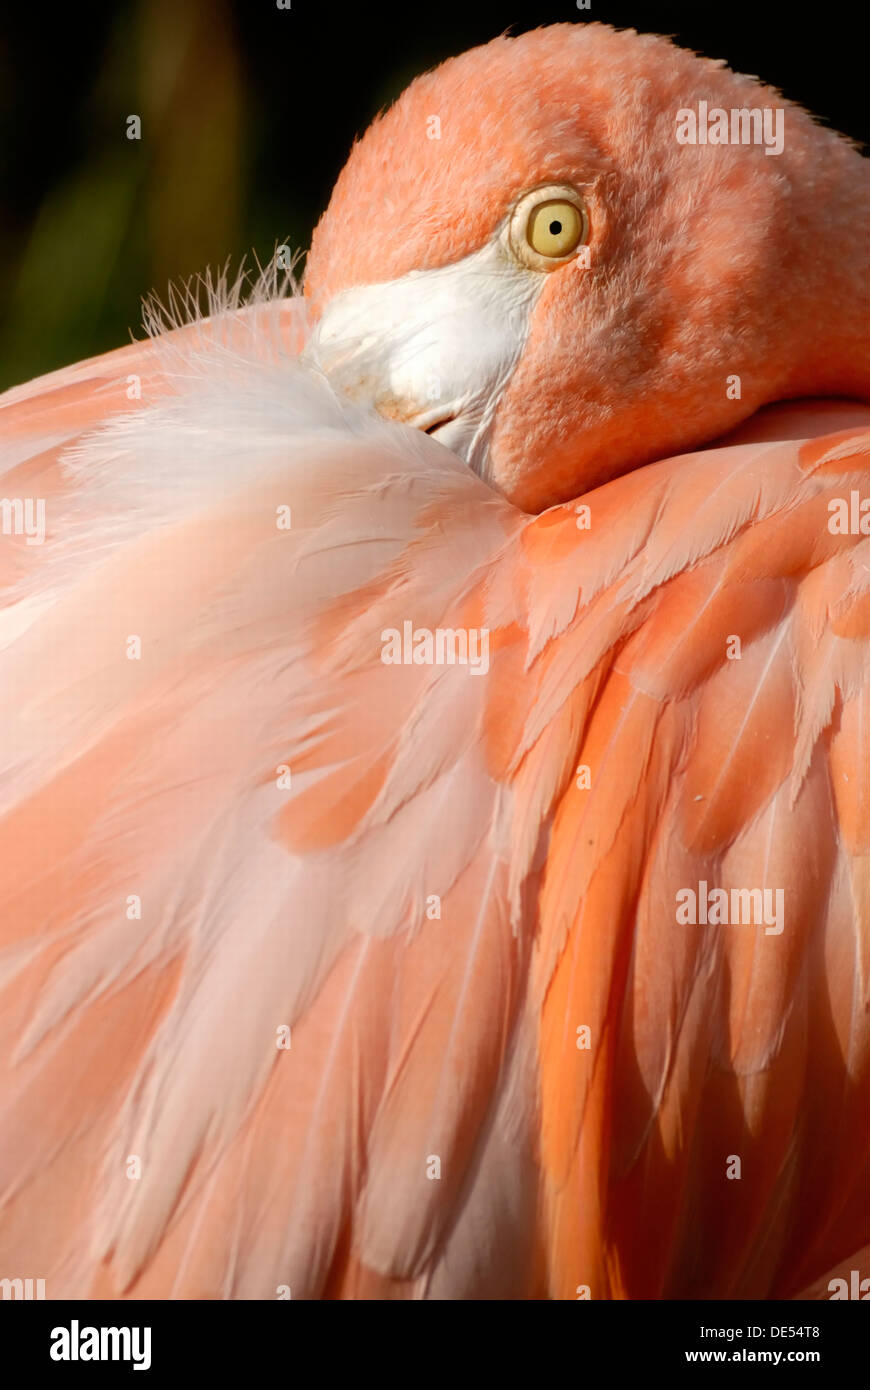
555, 228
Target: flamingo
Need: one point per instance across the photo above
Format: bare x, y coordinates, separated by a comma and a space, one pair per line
413, 673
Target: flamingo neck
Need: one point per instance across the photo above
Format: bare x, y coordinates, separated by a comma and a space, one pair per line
826, 279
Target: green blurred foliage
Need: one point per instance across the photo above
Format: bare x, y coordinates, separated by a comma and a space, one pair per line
129, 214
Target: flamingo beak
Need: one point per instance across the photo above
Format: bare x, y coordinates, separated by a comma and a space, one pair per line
434, 349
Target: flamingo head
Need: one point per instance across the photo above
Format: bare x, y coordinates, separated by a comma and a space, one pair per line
523, 258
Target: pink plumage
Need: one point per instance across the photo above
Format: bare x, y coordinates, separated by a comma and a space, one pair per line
335, 967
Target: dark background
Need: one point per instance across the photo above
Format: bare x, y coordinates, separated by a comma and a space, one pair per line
248, 113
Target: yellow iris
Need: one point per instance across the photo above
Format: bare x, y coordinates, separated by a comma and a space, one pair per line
555, 228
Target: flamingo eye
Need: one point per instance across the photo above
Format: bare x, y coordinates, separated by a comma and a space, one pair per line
547, 226
554, 229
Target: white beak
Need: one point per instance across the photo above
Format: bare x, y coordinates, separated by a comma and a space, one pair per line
435, 348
